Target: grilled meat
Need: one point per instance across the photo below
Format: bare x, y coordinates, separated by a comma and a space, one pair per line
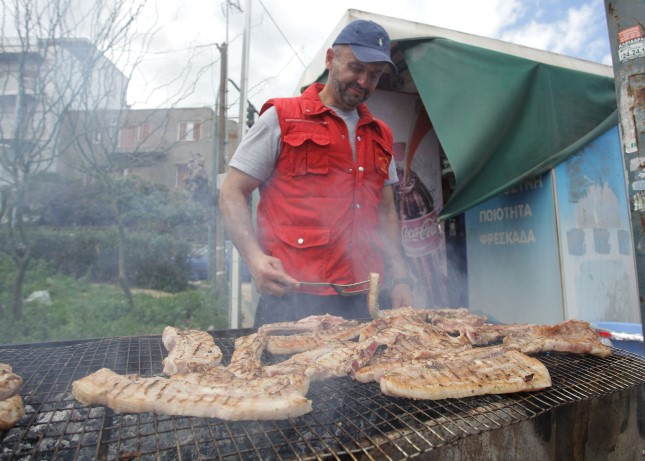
245, 361
188, 349
417, 315
414, 353
574, 336
330, 361
11, 410
453, 320
409, 343
372, 296
232, 398
382, 364
307, 324
10, 383
434, 380
292, 344
428, 337
483, 335
222, 380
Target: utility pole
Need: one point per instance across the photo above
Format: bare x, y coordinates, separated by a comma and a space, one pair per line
220, 274
626, 25
217, 250
235, 299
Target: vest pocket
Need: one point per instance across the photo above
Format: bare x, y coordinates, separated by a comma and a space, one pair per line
303, 249
307, 152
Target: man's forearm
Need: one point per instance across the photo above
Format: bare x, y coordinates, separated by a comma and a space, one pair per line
267, 271
234, 208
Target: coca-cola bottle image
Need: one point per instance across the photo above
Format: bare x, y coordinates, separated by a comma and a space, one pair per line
421, 235
419, 230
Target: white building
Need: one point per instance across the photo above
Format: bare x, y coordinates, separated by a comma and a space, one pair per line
41, 80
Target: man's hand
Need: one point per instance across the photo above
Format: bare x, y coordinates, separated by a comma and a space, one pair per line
270, 277
401, 295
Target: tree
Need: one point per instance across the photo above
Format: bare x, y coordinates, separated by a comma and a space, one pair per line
46, 73
63, 108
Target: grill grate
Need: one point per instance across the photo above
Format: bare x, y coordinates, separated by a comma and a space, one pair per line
350, 420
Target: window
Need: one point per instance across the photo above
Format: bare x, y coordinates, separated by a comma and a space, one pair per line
29, 81
129, 136
189, 131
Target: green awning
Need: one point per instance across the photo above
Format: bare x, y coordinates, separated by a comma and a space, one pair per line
502, 118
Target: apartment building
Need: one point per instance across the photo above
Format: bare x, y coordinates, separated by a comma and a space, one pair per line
63, 109
170, 147
40, 81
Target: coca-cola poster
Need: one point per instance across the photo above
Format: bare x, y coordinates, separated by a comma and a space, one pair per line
418, 194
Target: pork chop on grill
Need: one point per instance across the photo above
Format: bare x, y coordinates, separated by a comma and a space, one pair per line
11, 410
452, 320
196, 394
10, 383
245, 361
414, 353
188, 349
330, 361
301, 342
405, 339
393, 329
435, 380
483, 335
413, 313
410, 345
307, 324
574, 336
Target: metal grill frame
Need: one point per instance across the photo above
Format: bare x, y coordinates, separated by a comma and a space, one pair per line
349, 420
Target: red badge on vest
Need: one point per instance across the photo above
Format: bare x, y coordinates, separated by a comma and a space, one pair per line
383, 164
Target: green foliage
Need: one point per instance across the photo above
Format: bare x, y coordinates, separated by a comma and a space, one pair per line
70, 228
54, 201
83, 310
73, 252
159, 262
151, 207
155, 261
143, 206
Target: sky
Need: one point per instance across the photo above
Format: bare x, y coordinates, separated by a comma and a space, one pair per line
286, 35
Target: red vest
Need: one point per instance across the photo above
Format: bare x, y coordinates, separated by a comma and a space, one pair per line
318, 211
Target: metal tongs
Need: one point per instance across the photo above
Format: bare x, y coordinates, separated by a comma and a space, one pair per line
349, 289
370, 286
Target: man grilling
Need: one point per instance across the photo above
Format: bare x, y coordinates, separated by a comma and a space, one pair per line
323, 166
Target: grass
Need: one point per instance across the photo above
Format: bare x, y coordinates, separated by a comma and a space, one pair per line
80, 309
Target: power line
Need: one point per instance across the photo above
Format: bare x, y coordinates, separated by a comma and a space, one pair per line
282, 33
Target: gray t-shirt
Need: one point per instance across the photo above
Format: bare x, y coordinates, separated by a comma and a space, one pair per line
258, 152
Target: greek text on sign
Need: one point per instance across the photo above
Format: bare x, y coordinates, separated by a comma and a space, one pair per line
507, 238
631, 50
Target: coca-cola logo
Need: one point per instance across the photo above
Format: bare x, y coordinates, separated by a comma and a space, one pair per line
420, 236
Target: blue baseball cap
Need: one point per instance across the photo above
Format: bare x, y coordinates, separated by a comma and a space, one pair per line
368, 40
